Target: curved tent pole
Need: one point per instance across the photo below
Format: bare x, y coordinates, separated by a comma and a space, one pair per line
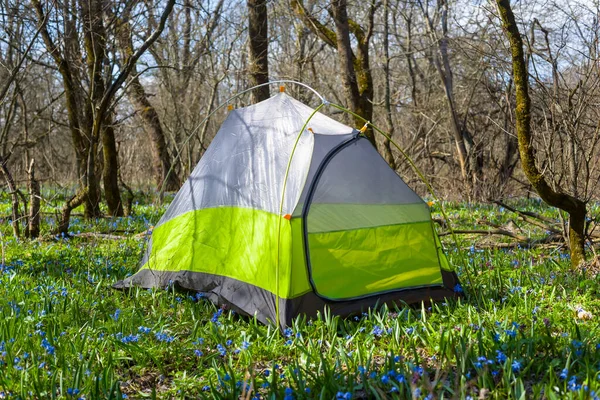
223, 104
285, 179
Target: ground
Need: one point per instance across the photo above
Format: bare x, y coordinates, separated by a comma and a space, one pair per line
527, 325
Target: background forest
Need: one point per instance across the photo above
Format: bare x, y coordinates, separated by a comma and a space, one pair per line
113, 94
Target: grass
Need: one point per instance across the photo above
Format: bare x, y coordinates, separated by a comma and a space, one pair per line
64, 333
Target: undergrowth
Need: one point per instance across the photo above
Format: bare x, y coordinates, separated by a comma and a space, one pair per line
517, 332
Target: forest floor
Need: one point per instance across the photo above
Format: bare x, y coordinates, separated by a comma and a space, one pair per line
528, 325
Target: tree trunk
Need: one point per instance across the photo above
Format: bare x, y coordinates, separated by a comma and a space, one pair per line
389, 157
34, 202
346, 57
73, 202
572, 205
258, 32
162, 167
110, 175
13, 195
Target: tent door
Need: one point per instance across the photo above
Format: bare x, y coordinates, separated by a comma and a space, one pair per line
363, 237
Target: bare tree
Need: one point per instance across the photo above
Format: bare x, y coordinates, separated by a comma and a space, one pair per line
355, 66
258, 39
571, 204
90, 107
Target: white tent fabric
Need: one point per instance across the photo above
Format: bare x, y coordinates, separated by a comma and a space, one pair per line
245, 164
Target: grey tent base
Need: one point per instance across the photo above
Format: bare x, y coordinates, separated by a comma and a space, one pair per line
251, 300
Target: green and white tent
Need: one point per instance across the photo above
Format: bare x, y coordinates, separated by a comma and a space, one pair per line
300, 214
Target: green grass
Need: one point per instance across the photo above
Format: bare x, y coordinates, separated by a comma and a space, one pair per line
64, 333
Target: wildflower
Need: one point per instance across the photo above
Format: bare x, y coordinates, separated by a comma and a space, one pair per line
516, 366
385, 379
409, 331
221, 350
215, 317
564, 374
130, 339
47, 346
228, 343
288, 332
198, 353
458, 288
572, 385
377, 331
500, 357
511, 332
267, 373
245, 345
116, 315
163, 337
289, 394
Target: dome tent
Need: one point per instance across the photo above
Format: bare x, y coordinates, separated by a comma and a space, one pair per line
289, 211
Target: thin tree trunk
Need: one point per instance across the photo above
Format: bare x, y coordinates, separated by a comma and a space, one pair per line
110, 175
13, 195
162, 167
34, 202
572, 205
258, 32
389, 157
161, 160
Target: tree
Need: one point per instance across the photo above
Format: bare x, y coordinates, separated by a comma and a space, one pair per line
355, 67
575, 207
258, 35
90, 91
162, 165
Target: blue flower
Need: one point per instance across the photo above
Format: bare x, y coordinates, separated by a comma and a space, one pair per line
458, 288
163, 337
564, 374
267, 373
377, 331
215, 317
572, 385
510, 332
221, 350
47, 346
287, 332
198, 353
116, 315
516, 366
385, 379
500, 357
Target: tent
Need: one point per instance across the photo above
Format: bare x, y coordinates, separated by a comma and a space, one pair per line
289, 211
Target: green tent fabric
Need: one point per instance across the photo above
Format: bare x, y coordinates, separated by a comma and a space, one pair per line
306, 214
